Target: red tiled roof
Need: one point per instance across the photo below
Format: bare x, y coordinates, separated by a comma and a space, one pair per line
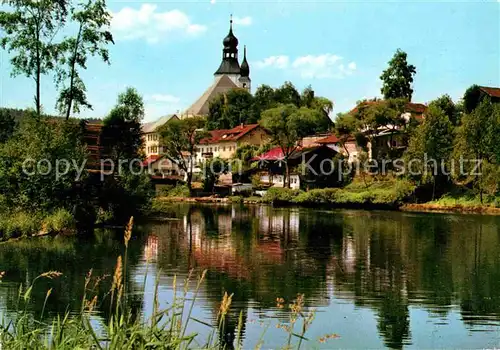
491, 91
151, 159
277, 154
273, 154
418, 108
233, 134
329, 139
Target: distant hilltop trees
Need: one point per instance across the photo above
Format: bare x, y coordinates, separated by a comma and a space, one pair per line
20, 114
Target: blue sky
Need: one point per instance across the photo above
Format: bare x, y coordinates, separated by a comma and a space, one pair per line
169, 50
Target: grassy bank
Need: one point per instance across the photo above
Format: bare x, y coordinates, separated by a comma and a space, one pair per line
23, 224
388, 194
377, 194
459, 202
391, 194
122, 329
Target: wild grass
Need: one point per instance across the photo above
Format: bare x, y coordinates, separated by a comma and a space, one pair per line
377, 193
20, 223
174, 191
467, 200
166, 328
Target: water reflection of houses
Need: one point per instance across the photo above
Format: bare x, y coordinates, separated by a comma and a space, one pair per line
213, 247
280, 222
151, 248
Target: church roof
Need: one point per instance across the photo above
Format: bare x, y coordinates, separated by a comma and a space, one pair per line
151, 126
221, 84
229, 65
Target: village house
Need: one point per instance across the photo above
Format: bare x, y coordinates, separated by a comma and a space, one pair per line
393, 140
152, 146
387, 140
492, 92
159, 165
224, 143
310, 167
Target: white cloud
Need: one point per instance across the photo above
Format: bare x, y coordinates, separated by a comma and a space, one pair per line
149, 24
157, 105
279, 62
212, 2
310, 66
242, 21
165, 98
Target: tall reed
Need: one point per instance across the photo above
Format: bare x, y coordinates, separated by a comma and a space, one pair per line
165, 328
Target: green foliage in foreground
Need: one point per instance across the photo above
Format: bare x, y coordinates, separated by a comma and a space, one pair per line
467, 198
165, 328
174, 191
17, 224
384, 193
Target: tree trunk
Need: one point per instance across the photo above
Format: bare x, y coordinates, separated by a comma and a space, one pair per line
480, 181
433, 187
286, 179
189, 177
38, 75
72, 77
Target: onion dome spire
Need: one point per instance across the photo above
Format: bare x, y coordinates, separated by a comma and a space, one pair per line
245, 68
229, 64
230, 41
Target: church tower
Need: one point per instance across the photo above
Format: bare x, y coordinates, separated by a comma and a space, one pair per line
244, 79
230, 65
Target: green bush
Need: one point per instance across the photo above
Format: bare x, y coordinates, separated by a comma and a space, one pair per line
175, 191
236, 199
19, 224
387, 193
275, 194
58, 221
326, 195
103, 216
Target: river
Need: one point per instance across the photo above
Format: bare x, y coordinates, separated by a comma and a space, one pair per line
374, 278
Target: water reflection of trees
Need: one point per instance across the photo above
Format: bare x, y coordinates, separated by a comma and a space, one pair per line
382, 260
24, 260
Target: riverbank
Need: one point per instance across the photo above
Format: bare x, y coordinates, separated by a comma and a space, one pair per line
458, 208
21, 224
380, 196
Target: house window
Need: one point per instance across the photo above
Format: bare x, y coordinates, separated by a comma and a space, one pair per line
224, 148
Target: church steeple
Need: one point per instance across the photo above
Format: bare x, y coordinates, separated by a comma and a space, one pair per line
245, 68
229, 64
244, 79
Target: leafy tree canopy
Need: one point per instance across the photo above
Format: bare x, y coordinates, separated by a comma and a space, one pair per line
397, 79
7, 125
239, 106
446, 104
179, 136
29, 29
122, 127
231, 109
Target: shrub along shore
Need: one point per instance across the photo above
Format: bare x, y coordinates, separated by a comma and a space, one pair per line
389, 195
